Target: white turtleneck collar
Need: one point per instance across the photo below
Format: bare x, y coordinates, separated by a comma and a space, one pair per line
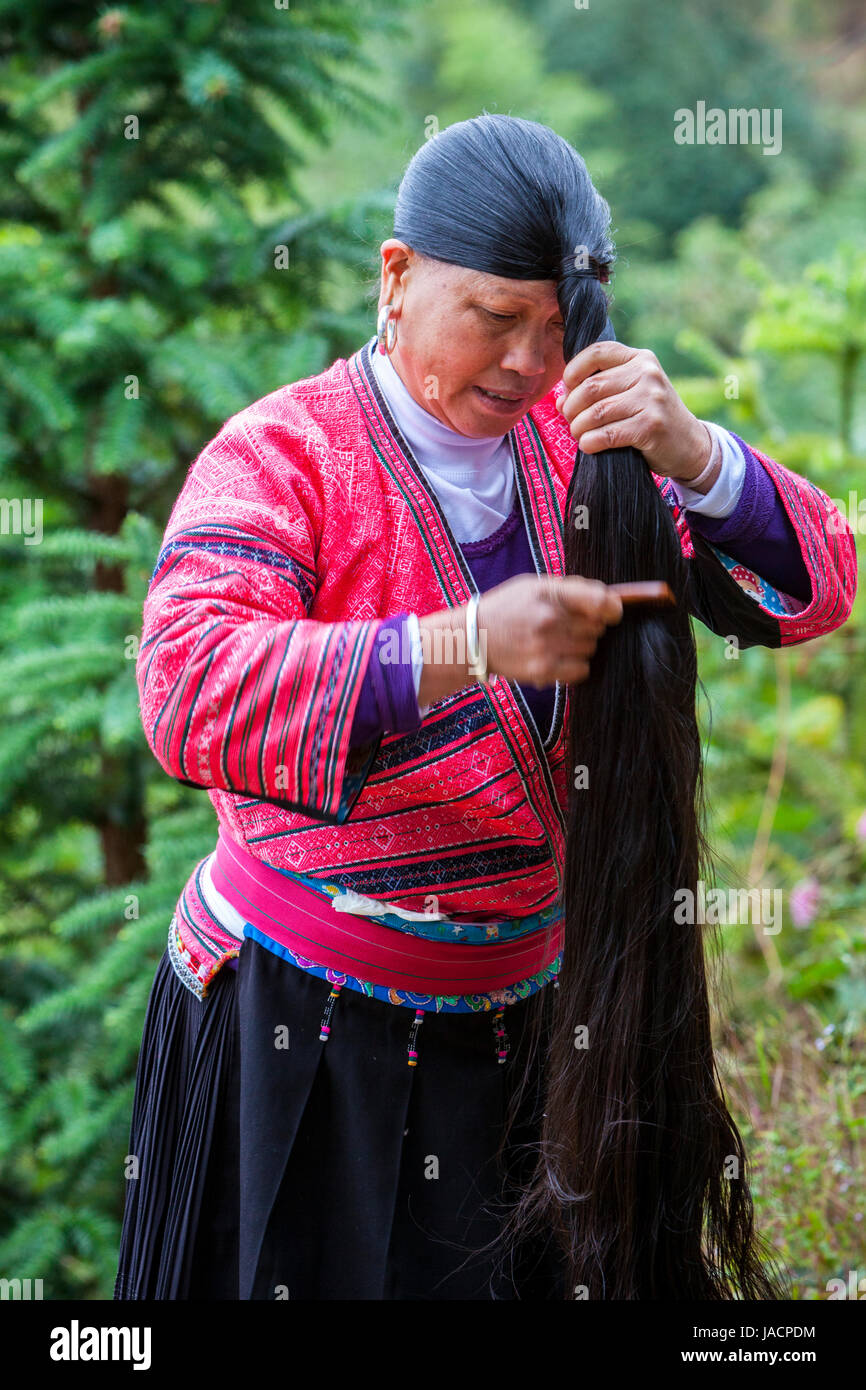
473, 478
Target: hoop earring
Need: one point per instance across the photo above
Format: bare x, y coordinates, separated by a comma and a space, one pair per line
386, 329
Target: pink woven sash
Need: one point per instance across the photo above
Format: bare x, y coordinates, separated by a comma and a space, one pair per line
290, 913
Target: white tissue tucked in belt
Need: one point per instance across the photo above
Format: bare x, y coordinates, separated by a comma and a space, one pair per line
350, 901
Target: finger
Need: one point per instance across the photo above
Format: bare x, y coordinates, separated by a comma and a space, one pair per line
573, 672
581, 642
613, 382
599, 417
595, 358
651, 591
568, 670
570, 646
572, 623
590, 599
576, 627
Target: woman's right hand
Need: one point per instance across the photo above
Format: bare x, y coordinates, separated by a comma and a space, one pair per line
539, 629
533, 629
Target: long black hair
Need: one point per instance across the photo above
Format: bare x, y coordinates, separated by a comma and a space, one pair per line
639, 1175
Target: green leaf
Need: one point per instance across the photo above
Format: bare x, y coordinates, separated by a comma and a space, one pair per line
817, 723
121, 717
208, 78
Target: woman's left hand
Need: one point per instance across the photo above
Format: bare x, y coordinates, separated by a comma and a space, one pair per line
618, 395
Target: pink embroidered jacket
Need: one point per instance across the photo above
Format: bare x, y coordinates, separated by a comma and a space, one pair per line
300, 526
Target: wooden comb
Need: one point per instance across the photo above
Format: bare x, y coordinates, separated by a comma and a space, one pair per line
652, 591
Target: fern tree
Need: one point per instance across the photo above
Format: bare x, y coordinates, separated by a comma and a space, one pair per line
159, 270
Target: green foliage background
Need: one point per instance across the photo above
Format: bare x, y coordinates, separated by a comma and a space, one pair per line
142, 306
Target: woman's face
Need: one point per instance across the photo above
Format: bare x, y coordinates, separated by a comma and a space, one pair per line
463, 334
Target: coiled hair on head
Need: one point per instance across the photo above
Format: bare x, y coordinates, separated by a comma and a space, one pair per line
499, 194
636, 1175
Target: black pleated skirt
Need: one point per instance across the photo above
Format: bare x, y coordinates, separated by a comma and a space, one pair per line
265, 1164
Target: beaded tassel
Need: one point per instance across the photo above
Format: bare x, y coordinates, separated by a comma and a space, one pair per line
413, 1037
502, 1043
329, 1009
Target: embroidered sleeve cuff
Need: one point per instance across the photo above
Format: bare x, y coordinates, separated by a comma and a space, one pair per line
758, 533
388, 701
751, 516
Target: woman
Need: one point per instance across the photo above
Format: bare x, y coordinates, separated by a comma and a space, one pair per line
354, 976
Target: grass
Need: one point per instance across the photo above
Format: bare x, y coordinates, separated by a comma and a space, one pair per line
798, 1092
